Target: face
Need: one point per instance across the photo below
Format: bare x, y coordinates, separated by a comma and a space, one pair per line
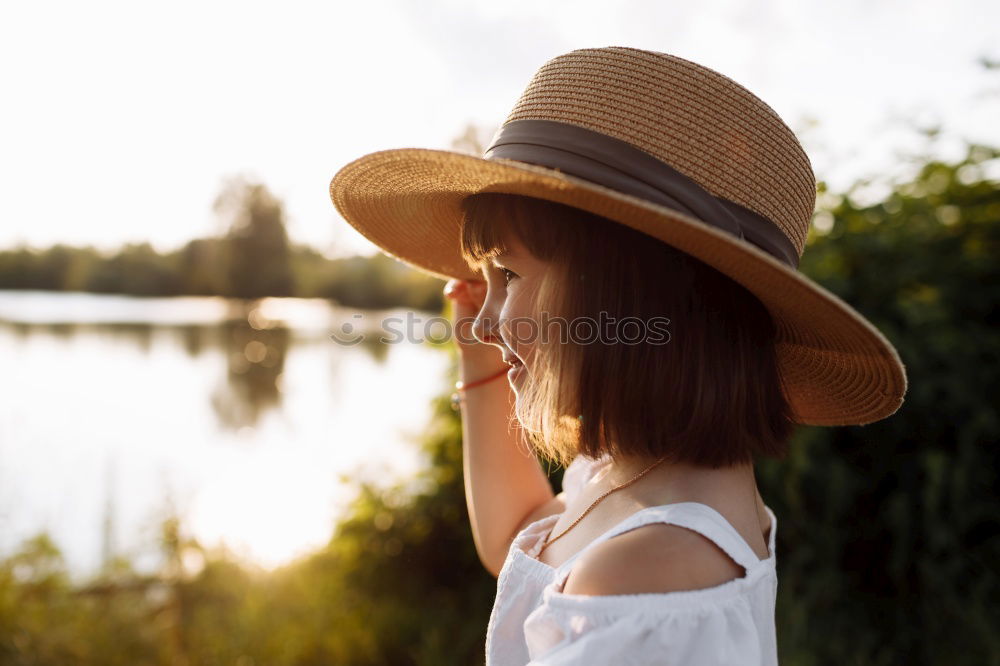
507, 319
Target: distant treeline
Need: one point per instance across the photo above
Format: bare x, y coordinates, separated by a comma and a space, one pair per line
198, 269
254, 259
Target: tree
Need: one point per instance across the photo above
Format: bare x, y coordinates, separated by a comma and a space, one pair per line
890, 536
256, 248
474, 139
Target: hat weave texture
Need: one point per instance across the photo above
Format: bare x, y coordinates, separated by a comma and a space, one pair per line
699, 121
836, 368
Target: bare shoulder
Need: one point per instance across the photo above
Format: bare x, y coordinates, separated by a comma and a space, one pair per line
655, 558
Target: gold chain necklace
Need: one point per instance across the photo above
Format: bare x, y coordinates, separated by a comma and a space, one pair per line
619, 487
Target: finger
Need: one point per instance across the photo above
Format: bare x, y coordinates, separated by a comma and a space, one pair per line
454, 288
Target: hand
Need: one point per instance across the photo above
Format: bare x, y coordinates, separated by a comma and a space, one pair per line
467, 297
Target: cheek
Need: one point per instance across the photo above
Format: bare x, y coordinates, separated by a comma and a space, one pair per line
512, 307
520, 322
519, 299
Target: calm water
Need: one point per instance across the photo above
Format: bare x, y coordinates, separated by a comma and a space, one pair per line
252, 427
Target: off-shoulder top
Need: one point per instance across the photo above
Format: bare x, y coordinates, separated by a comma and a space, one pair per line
533, 622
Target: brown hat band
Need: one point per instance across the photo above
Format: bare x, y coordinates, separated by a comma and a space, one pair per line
613, 163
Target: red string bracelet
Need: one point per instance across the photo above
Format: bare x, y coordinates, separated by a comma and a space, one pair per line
456, 398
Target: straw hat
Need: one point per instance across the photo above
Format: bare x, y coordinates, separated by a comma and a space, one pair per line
675, 150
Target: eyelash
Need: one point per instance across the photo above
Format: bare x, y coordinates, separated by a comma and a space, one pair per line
507, 274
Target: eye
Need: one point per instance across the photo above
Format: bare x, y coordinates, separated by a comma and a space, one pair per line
508, 274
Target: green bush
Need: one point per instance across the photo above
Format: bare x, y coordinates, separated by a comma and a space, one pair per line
888, 538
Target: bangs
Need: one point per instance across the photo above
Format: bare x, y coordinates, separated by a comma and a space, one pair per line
483, 228
488, 218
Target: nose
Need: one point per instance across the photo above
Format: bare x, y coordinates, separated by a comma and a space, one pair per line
484, 328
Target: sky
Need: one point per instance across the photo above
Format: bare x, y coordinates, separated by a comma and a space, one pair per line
121, 121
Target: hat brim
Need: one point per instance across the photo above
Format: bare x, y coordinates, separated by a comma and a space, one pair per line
836, 368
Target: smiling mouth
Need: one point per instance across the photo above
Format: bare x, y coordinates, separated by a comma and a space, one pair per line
515, 371
510, 358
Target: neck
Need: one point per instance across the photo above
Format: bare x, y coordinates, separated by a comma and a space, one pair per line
679, 480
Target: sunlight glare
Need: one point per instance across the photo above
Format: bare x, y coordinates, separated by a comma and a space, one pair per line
268, 509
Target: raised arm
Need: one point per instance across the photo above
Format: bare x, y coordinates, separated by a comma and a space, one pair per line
504, 483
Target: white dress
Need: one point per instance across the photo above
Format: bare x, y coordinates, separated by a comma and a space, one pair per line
534, 622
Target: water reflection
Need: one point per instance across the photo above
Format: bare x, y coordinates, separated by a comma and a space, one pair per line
193, 338
255, 360
247, 423
379, 351
255, 357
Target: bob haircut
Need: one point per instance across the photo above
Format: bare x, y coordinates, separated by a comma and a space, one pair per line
709, 396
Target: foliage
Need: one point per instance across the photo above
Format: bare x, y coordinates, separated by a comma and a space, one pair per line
888, 538
380, 282
254, 259
256, 246
889, 541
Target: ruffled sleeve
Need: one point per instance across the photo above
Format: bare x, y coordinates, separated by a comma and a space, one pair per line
642, 629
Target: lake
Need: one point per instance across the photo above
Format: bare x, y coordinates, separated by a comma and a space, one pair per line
252, 426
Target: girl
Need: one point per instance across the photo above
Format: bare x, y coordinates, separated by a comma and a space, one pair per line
627, 247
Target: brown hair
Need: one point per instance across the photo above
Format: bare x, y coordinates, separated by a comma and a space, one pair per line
711, 396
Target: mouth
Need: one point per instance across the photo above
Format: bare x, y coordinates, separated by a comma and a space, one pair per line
512, 359
516, 370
